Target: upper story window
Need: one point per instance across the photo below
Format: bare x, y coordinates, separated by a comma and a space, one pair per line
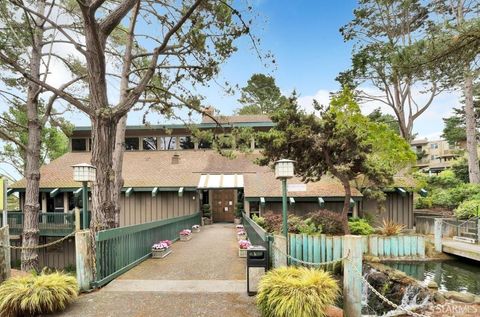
132, 144
185, 143
79, 145
150, 143
168, 143
434, 146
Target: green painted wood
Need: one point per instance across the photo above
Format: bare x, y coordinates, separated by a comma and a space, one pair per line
407, 242
373, 245
401, 246
304, 247
298, 246
329, 249
316, 250
323, 247
414, 245
310, 248
365, 244
421, 246
386, 246
394, 246
292, 246
337, 247
380, 248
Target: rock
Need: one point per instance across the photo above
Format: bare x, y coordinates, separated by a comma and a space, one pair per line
397, 275
432, 284
439, 298
477, 300
333, 311
460, 297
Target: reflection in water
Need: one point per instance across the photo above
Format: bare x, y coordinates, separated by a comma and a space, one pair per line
451, 275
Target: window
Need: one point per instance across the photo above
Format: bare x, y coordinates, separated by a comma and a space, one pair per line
150, 143
434, 146
168, 143
132, 144
79, 145
185, 143
204, 144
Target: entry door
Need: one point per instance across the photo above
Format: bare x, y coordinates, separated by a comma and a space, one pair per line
223, 206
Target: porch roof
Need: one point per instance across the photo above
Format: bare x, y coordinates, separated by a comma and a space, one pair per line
213, 181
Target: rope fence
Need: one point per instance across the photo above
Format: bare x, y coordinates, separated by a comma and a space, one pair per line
41, 245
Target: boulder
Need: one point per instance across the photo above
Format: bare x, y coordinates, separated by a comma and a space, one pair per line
439, 298
477, 300
333, 311
460, 297
432, 284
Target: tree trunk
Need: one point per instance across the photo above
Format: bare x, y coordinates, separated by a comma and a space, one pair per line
29, 257
346, 204
117, 166
103, 207
471, 131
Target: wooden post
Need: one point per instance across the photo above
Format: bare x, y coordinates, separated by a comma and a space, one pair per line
478, 229
352, 283
5, 269
77, 219
84, 260
438, 234
280, 243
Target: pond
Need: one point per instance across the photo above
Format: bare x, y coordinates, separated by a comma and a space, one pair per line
450, 275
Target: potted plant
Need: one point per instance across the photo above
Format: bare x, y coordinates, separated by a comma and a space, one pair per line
161, 249
241, 235
243, 246
206, 214
196, 228
238, 213
185, 235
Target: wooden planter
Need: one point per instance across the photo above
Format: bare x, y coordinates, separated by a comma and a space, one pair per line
242, 253
241, 237
160, 254
237, 221
195, 229
185, 238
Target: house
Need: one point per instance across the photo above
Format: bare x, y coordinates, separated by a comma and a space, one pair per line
434, 156
169, 173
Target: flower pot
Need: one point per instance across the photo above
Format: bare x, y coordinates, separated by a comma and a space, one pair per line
160, 254
195, 229
241, 237
186, 237
207, 221
242, 253
237, 221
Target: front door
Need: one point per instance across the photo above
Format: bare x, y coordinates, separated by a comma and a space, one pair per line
223, 205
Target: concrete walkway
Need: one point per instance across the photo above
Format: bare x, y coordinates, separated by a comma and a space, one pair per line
201, 277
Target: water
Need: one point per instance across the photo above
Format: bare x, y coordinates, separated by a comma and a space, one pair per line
450, 275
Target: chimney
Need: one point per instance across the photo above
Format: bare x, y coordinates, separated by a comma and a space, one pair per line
176, 158
208, 111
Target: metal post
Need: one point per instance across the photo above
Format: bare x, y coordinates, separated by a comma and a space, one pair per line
285, 214
85, 205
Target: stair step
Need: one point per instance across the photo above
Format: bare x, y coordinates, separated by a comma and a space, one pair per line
464, 239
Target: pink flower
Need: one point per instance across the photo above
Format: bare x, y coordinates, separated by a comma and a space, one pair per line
244, 244
239, 226
185, 232
241, 232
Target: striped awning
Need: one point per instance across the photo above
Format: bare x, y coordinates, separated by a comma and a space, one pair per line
212, 181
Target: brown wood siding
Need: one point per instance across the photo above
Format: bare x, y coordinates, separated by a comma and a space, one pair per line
141, 207
53, 257
397, 208
301, 208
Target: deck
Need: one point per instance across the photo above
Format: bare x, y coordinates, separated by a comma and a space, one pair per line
463, 249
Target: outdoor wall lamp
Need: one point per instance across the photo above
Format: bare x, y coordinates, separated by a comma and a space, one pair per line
84, 173
284, 170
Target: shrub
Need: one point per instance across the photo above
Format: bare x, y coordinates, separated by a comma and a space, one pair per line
37, 294
206, 211
446, 178
259, 221
441, 198
360, 226
468, 209
331, 222
308, 227
424, 203
391, 228
238, 210
463, 192
273, 222
296, 291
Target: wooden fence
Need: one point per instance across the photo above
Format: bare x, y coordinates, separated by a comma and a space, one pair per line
323, 248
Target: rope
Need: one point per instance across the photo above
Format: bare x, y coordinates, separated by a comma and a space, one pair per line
39, 246
459, 225
310, 263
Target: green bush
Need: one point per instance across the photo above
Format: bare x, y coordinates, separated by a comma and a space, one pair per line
308, 227
442, 199
259, 221
360, 226
424, 203
463, 192
206, 211
296, 291
446, 179
238, 210
37, 294
331, 222
468, 209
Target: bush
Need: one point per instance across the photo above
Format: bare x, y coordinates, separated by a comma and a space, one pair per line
424, 203
329, 221
441, 199
273, 222
468, 209
360, 226
463, 192
259, 221
238, 210
296, 291
446, 178
391, 228
308, 227
206, 211
37, 294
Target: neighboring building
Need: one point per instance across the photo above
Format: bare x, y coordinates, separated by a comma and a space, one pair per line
169, 173
434, 156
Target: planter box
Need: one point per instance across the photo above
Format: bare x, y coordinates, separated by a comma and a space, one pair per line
237, 221
185, 238
195, 229
242, 253
160, 254
241, 237
207, 221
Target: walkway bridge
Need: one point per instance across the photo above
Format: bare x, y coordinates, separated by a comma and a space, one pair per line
466, 239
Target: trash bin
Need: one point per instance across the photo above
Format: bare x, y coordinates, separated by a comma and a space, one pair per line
257, 266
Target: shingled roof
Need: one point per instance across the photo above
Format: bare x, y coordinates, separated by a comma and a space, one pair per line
237, 119
157, 169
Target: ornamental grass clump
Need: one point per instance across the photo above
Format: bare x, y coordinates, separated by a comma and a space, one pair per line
391, 228
296, 291
37, 294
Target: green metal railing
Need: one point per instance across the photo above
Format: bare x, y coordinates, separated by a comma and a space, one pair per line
120, 249
56, 224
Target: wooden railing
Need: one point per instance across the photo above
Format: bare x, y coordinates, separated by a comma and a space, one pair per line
120, 249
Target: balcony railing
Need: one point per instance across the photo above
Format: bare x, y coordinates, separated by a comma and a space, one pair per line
56, 224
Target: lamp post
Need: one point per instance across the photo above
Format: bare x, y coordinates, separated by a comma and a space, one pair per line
84, 173
283, 171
